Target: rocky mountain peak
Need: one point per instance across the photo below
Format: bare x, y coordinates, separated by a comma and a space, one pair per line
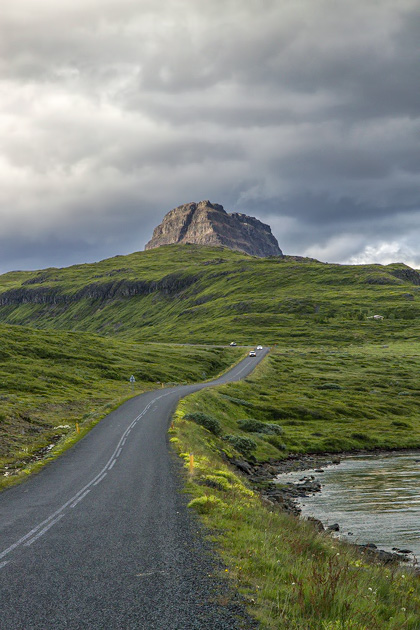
206, 223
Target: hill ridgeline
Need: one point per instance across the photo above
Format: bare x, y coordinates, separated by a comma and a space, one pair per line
197, 294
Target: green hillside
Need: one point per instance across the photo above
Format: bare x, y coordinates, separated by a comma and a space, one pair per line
202, 295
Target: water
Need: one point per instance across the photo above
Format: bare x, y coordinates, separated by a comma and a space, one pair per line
377, 499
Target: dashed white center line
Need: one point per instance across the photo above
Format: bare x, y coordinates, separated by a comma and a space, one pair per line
82, 496
37, 532
42, 532
98, 481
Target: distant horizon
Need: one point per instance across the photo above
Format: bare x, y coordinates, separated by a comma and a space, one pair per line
139, 251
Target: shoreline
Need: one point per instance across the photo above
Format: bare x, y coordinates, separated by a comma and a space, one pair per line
286, 497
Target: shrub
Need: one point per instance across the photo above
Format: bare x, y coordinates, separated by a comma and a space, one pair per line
216, 481
251, 425
205, 504
256, 426
208, 422
244, 445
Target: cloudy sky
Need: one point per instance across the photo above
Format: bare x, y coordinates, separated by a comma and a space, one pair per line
303, 113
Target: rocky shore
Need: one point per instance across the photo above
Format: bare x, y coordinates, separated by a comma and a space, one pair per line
285, 496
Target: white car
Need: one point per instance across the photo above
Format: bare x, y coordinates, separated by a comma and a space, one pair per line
259, 347
252, 353
232, 343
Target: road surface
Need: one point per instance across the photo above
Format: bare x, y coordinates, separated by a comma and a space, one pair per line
101, 539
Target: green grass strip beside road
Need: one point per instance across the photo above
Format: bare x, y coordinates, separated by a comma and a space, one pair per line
293, 577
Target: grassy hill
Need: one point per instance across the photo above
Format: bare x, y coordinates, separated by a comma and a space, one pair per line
173, 293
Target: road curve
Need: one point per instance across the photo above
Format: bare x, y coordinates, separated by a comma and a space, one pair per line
102, 539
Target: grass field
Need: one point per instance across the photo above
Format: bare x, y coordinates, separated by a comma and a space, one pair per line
329, 399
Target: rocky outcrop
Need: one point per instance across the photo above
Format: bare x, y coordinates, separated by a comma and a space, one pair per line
206, 223
172, 284
407, 274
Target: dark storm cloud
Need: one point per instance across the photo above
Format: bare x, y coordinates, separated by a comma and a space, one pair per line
303, 114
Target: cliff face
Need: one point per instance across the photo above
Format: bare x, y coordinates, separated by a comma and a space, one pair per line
171, 284
206, 223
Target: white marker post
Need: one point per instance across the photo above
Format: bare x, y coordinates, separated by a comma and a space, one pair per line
132, 381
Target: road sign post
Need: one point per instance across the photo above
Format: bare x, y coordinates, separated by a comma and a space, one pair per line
132, 381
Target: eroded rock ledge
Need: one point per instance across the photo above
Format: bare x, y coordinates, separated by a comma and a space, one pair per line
206, 223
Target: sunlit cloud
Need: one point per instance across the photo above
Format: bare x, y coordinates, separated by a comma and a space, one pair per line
387, 253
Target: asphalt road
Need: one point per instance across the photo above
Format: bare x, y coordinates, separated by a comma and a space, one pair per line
102, 539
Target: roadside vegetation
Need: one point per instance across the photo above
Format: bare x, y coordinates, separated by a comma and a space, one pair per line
51, 380
311, 400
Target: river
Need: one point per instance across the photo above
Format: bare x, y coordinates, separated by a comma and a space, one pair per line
375, 499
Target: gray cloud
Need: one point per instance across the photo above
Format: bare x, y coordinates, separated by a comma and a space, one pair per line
305, 115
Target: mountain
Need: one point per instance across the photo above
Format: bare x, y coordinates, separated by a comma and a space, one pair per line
197, 294
206, 223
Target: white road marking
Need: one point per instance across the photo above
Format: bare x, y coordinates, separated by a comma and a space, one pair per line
118, 452
58, 514
3, 564
46, 524
82, 496
42, 532
240, 371
98, 480
43, 527
148, 573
